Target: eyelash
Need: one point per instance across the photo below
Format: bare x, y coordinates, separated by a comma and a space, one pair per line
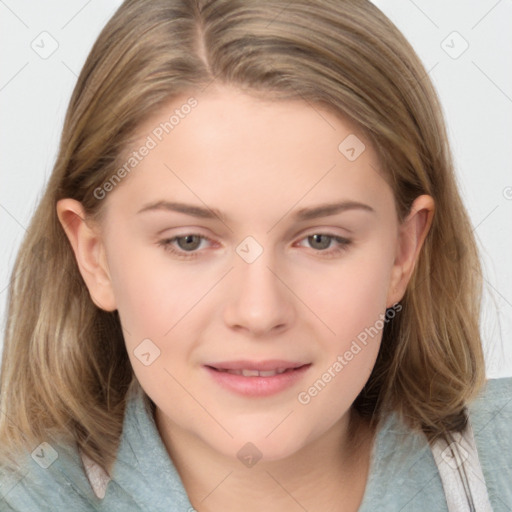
327, 253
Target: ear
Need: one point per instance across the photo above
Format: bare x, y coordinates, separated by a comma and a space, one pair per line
411, 235
89, 252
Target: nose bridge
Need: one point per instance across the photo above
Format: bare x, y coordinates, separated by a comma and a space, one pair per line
259, 301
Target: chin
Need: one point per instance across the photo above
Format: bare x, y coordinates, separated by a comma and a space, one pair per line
250, 445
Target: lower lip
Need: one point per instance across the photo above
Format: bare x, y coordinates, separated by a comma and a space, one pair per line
258, 386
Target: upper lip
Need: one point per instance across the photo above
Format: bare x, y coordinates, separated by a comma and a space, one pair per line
270, 364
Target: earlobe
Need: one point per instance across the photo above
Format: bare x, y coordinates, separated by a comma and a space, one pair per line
411, 236
89, 252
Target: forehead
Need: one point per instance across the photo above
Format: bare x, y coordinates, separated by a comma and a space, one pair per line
227, 145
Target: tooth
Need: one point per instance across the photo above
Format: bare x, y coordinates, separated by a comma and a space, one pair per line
250, 373
257, 373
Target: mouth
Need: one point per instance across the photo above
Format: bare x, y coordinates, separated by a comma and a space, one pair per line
253, 378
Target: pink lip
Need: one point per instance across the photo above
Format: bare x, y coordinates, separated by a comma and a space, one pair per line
257, 386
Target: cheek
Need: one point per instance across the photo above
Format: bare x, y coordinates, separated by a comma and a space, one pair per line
352, 303
152, 292
350, 296
154, 298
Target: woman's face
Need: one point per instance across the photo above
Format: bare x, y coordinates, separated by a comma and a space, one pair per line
251, 236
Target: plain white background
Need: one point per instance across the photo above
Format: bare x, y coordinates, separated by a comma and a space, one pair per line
466, 47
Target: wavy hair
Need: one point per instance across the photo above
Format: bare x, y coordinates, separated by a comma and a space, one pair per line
65, 371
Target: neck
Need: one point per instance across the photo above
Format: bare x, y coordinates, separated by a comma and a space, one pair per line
328, 474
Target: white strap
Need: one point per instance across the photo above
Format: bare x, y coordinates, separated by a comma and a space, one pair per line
98, 477
461, 473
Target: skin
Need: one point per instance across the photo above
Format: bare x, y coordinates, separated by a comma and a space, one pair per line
258, 162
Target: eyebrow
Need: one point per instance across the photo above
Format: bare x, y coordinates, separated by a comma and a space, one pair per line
303, 214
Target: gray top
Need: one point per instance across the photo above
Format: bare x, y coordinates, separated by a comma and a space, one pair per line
403, 474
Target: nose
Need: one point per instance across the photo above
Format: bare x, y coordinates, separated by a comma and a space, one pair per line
259, 302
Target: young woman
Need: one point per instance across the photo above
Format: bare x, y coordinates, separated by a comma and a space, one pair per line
251, 283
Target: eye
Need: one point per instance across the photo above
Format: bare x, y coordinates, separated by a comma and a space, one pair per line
321, 242
187, 245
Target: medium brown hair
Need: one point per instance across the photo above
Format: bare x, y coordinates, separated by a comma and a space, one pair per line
65, 370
